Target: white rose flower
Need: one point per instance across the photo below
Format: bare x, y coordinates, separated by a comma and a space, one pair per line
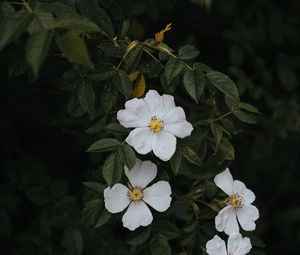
137, 196
239, 205
236, 245
157, 122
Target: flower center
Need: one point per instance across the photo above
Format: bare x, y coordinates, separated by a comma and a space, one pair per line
156, 124
136, 194
236, 201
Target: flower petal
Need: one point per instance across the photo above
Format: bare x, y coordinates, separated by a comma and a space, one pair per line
136, 114
141, 140
142, 173
216, 246
224, 181
164, 145
240, 188
158, 196
180, 129
115, 198
138, 214
175, 115
247, 215
238, 245
226, 220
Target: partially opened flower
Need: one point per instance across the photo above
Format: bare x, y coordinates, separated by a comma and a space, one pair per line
238, 207
236, 245
157, 122
119, 197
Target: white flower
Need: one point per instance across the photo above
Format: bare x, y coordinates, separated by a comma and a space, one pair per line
138, 214
239, 205
157, 121
236, 245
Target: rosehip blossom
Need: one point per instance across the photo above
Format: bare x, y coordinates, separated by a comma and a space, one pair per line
156, 122
238, 207
136, 197
236, 245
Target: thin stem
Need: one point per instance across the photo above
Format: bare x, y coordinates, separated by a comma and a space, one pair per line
27, 6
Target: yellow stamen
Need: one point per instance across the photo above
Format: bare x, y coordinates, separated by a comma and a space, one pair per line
156, 124
136, 194
236, 201
159, 37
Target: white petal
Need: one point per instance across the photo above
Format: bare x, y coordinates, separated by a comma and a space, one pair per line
238, 245
115, 198
240, 188
138, 214
158, 196
180, 129
136, 114
141, 139
164, 145
175, 115
226, 220
224, 181
216, 246
247, 215
142, 173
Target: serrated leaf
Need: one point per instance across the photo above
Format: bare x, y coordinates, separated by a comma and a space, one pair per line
223, 83
227, 149
193, 81
122, 83
73, 241
127, 155
139, 236
116, 128
106, 144
37, 48
14, 26
176, 161
248, 107
103, 218
191, 156
86, 96
74, 22
103, 73
173, 68
133, 58
73, 47
244, 116
91, 211
159, 245
188, 52
166, 229
202, 67
112, 169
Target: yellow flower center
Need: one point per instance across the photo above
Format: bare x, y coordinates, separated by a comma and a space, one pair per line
136, 194
236, 201
156, 124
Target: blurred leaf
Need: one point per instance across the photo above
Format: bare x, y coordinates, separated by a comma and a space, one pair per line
38, 195
58, 188
166, 229
288, 78
112, 169
176, 161
74, 49
37, 48
139, 236
73, 241
93, 187
159, 245
188, 52
106, 144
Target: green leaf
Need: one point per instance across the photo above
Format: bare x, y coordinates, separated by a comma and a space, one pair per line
13, 27
244, 116
93, 187
37, 48
217, 131
116, 128
73, 47
167, 229
112, 169
202, 67
193, 81
227, 149
91, 211
103, 218
159, 245
106, 144
288, 78
139, 236
73, 241
248, 107
38, 195
86, 96
191, 156
74, 22
173, 68
102, 73
127, 155
188, 52
59, 188
133, 58
224, 84
122, 83
176, 161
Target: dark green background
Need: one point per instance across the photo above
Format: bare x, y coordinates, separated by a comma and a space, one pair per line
255, 42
